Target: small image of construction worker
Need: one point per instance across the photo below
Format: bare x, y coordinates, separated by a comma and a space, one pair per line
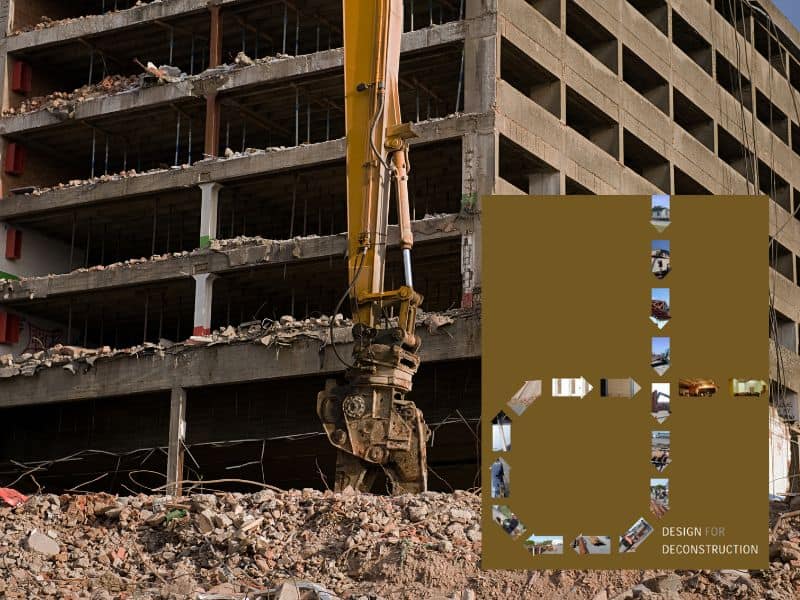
500, 479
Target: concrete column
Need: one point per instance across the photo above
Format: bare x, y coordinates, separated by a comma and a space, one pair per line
479, 169
479, 149
544, 184
481, 62
215, 37
211, 145
208, 212
203, 297
177, 435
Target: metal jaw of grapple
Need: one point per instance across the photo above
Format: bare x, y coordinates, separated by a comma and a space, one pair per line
372, 425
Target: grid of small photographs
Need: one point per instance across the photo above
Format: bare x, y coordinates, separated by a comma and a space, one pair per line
660, 360
579, 388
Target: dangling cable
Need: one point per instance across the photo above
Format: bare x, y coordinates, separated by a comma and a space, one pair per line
339, 305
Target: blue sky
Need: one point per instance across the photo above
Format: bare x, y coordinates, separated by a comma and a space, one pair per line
660, 345
546, 538
661, 294
661, 245
659, 200
791, 8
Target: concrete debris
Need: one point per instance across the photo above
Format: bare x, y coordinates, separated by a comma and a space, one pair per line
46, 22
228, 154
427, 225
162, 74
64, 103
244, 60
39, 542
307, 544
76, 183
282, 333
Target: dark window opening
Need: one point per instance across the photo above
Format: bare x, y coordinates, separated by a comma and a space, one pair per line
592, 36
592, 123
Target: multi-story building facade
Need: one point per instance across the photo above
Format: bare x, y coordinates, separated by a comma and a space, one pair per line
243, 139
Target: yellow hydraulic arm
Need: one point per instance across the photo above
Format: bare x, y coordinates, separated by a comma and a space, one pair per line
368, 419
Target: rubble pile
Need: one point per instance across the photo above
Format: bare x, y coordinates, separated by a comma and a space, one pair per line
63, 103
346, 546
275, 334
46, 22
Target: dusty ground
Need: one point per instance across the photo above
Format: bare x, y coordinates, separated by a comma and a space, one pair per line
358, 546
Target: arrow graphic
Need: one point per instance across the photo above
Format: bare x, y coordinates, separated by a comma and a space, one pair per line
619, 388
576, 387
525, 396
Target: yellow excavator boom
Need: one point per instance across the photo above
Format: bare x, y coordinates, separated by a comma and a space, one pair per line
368, 418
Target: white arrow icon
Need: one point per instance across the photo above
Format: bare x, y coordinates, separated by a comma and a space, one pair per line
565, 387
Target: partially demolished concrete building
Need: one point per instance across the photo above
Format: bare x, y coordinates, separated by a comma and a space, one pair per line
173, 207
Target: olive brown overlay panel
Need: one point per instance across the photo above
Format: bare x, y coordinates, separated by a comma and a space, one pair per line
625, 382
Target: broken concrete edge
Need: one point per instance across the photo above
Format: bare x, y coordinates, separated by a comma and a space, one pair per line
82, 103
51, 31
268, 333
237, 252
243, 72
224, 169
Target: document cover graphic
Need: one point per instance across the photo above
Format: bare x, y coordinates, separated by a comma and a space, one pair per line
625, 382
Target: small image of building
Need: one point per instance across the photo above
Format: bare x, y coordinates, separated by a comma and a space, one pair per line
659, 211
659, 258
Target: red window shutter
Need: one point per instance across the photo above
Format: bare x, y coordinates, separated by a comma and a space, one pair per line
21, 76
15, 159
9, 328
13, 244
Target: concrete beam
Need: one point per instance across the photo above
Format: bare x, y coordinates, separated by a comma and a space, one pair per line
530, 31
564, 148
212, 261
219, 365
108, 23
234, 80
224, 170
136, 99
